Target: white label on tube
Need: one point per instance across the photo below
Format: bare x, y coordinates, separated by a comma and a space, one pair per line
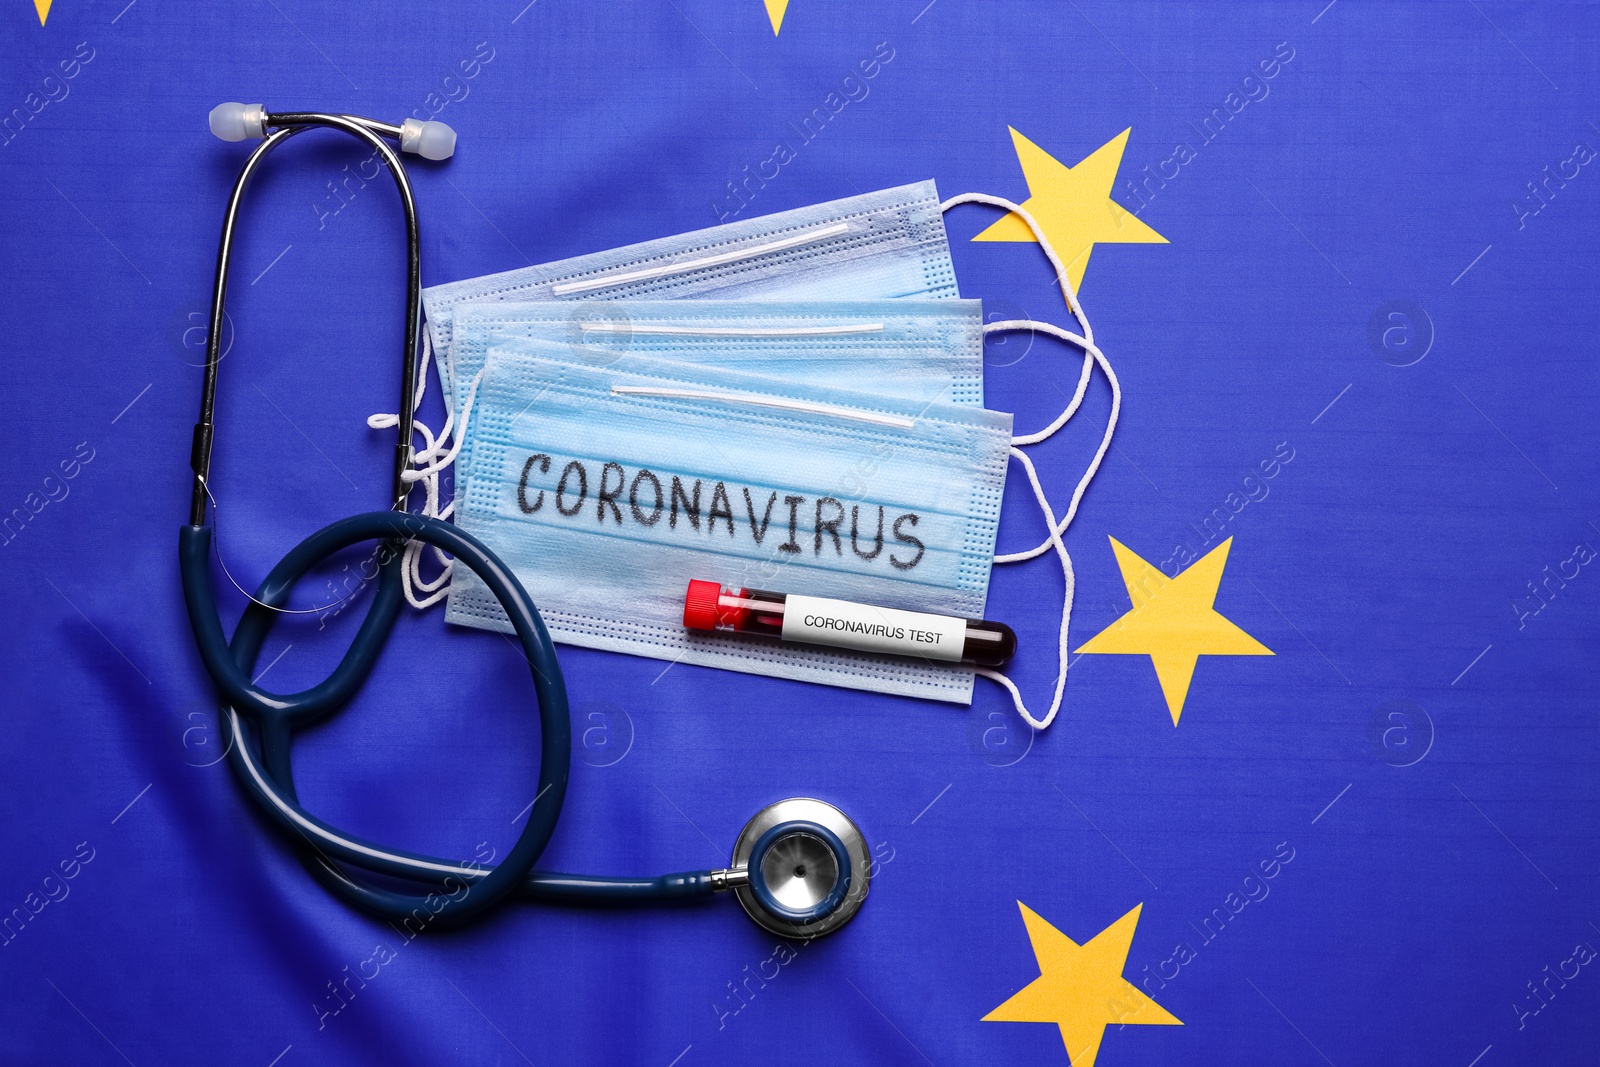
820, 621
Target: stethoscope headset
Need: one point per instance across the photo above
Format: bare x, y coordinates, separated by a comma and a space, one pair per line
800, 867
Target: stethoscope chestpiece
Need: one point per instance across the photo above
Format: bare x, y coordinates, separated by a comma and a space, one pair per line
801, 868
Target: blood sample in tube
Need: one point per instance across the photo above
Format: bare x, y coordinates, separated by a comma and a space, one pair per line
816, 620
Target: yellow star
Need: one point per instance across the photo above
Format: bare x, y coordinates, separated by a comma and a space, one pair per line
1073, 204
43, 8
1173, 621
1080, 988
775, 10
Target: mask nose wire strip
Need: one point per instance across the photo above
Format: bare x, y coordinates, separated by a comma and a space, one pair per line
646, 329
806, 237
1092, 357
900, 422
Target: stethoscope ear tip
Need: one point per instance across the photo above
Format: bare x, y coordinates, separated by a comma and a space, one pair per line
806, 868
430, 140
239, 122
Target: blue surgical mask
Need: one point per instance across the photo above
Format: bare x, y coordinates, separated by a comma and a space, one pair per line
881, 245
923, 350
768, 263
918, 349
608, 483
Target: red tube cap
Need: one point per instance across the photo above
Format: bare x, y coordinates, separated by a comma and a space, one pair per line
700, 605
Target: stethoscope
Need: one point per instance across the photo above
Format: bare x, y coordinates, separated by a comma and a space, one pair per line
800, 867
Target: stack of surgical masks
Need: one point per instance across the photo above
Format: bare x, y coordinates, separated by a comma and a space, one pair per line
793, 402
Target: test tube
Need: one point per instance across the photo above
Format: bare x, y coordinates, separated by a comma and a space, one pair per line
817, 620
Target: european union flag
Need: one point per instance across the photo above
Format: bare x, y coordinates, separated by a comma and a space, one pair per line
1323, 789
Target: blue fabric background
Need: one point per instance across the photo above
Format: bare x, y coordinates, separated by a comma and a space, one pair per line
1386, 558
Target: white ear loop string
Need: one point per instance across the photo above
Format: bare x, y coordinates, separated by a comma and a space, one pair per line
1092, 357
1044, 242
426, 470
1066, 607
430, 474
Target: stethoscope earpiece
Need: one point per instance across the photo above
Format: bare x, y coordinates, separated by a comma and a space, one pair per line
239, 122
430, 139
427, 138
801, 868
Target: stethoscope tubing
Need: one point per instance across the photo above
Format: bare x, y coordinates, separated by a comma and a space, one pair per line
539, 885
341, 685
269, 779
272, 788
260, 724
467, 896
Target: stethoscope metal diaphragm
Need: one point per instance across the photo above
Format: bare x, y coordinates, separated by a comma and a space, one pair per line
806, 866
